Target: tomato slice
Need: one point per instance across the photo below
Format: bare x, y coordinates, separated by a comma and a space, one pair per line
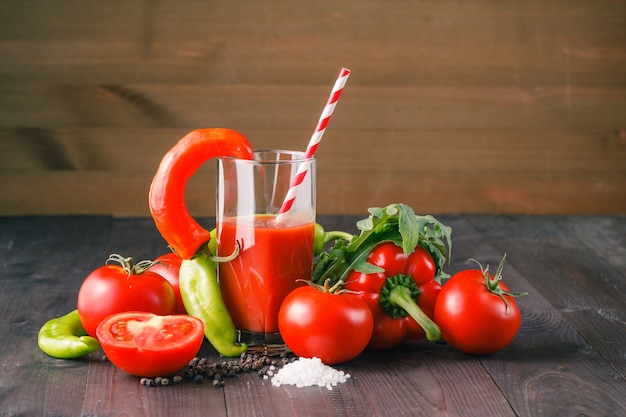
148, 345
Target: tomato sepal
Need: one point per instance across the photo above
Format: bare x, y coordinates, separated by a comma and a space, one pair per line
492, 282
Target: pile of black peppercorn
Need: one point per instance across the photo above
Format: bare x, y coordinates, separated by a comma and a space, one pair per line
201, 369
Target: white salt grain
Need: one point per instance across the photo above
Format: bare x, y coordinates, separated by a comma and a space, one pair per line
307, 373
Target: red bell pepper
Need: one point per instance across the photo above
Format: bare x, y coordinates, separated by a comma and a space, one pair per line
391, 294
167, 192
395, 265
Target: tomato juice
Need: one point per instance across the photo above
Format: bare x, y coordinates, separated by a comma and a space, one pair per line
273, 256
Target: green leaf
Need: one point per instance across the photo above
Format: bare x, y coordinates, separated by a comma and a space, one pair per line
368, 268
435, 237
409, 228
391, 209
375, 211
365, 224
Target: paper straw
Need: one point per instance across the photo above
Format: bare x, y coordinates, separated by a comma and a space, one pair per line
328, 111
315, 140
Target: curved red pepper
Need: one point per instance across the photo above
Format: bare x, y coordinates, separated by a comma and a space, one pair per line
167, 192
392, 294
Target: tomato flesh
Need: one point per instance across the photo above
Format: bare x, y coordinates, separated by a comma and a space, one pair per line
149, 345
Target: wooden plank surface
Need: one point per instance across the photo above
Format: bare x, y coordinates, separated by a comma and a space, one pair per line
568, 358
482, 106
573, 309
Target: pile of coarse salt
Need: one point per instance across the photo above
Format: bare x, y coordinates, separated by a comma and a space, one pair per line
306, 372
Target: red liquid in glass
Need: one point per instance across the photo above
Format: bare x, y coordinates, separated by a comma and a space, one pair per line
272, 258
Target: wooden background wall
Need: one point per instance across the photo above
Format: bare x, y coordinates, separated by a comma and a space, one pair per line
501, 106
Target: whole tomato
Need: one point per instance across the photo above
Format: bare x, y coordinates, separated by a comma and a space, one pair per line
112, 289
168, 266
476, 312
145, 344
332, 325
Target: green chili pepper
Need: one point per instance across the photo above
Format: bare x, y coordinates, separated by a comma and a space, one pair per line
322, 237
65, 338
202, 298
318, 239
212, 245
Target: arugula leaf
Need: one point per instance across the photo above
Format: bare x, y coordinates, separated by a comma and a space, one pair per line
408, 226
434, 237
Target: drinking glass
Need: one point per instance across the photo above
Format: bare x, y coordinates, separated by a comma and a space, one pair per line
275, 251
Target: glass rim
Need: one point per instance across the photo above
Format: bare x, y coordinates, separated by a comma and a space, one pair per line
297, 157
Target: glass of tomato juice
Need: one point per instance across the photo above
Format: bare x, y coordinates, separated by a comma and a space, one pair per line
275, 252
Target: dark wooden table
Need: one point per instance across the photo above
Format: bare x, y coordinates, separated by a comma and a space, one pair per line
567, 360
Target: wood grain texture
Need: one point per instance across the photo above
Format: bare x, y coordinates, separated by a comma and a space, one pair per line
568, 358
565, 295
482, 106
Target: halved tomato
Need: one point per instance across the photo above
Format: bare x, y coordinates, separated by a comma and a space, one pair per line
148, 345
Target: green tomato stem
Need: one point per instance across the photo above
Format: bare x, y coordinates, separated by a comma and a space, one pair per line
492, 283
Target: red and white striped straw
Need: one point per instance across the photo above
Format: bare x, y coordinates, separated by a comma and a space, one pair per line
315, 139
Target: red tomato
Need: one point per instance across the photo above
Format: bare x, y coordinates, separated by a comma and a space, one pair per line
334, 327
149, 345
168, 266
114, 289
476, 312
